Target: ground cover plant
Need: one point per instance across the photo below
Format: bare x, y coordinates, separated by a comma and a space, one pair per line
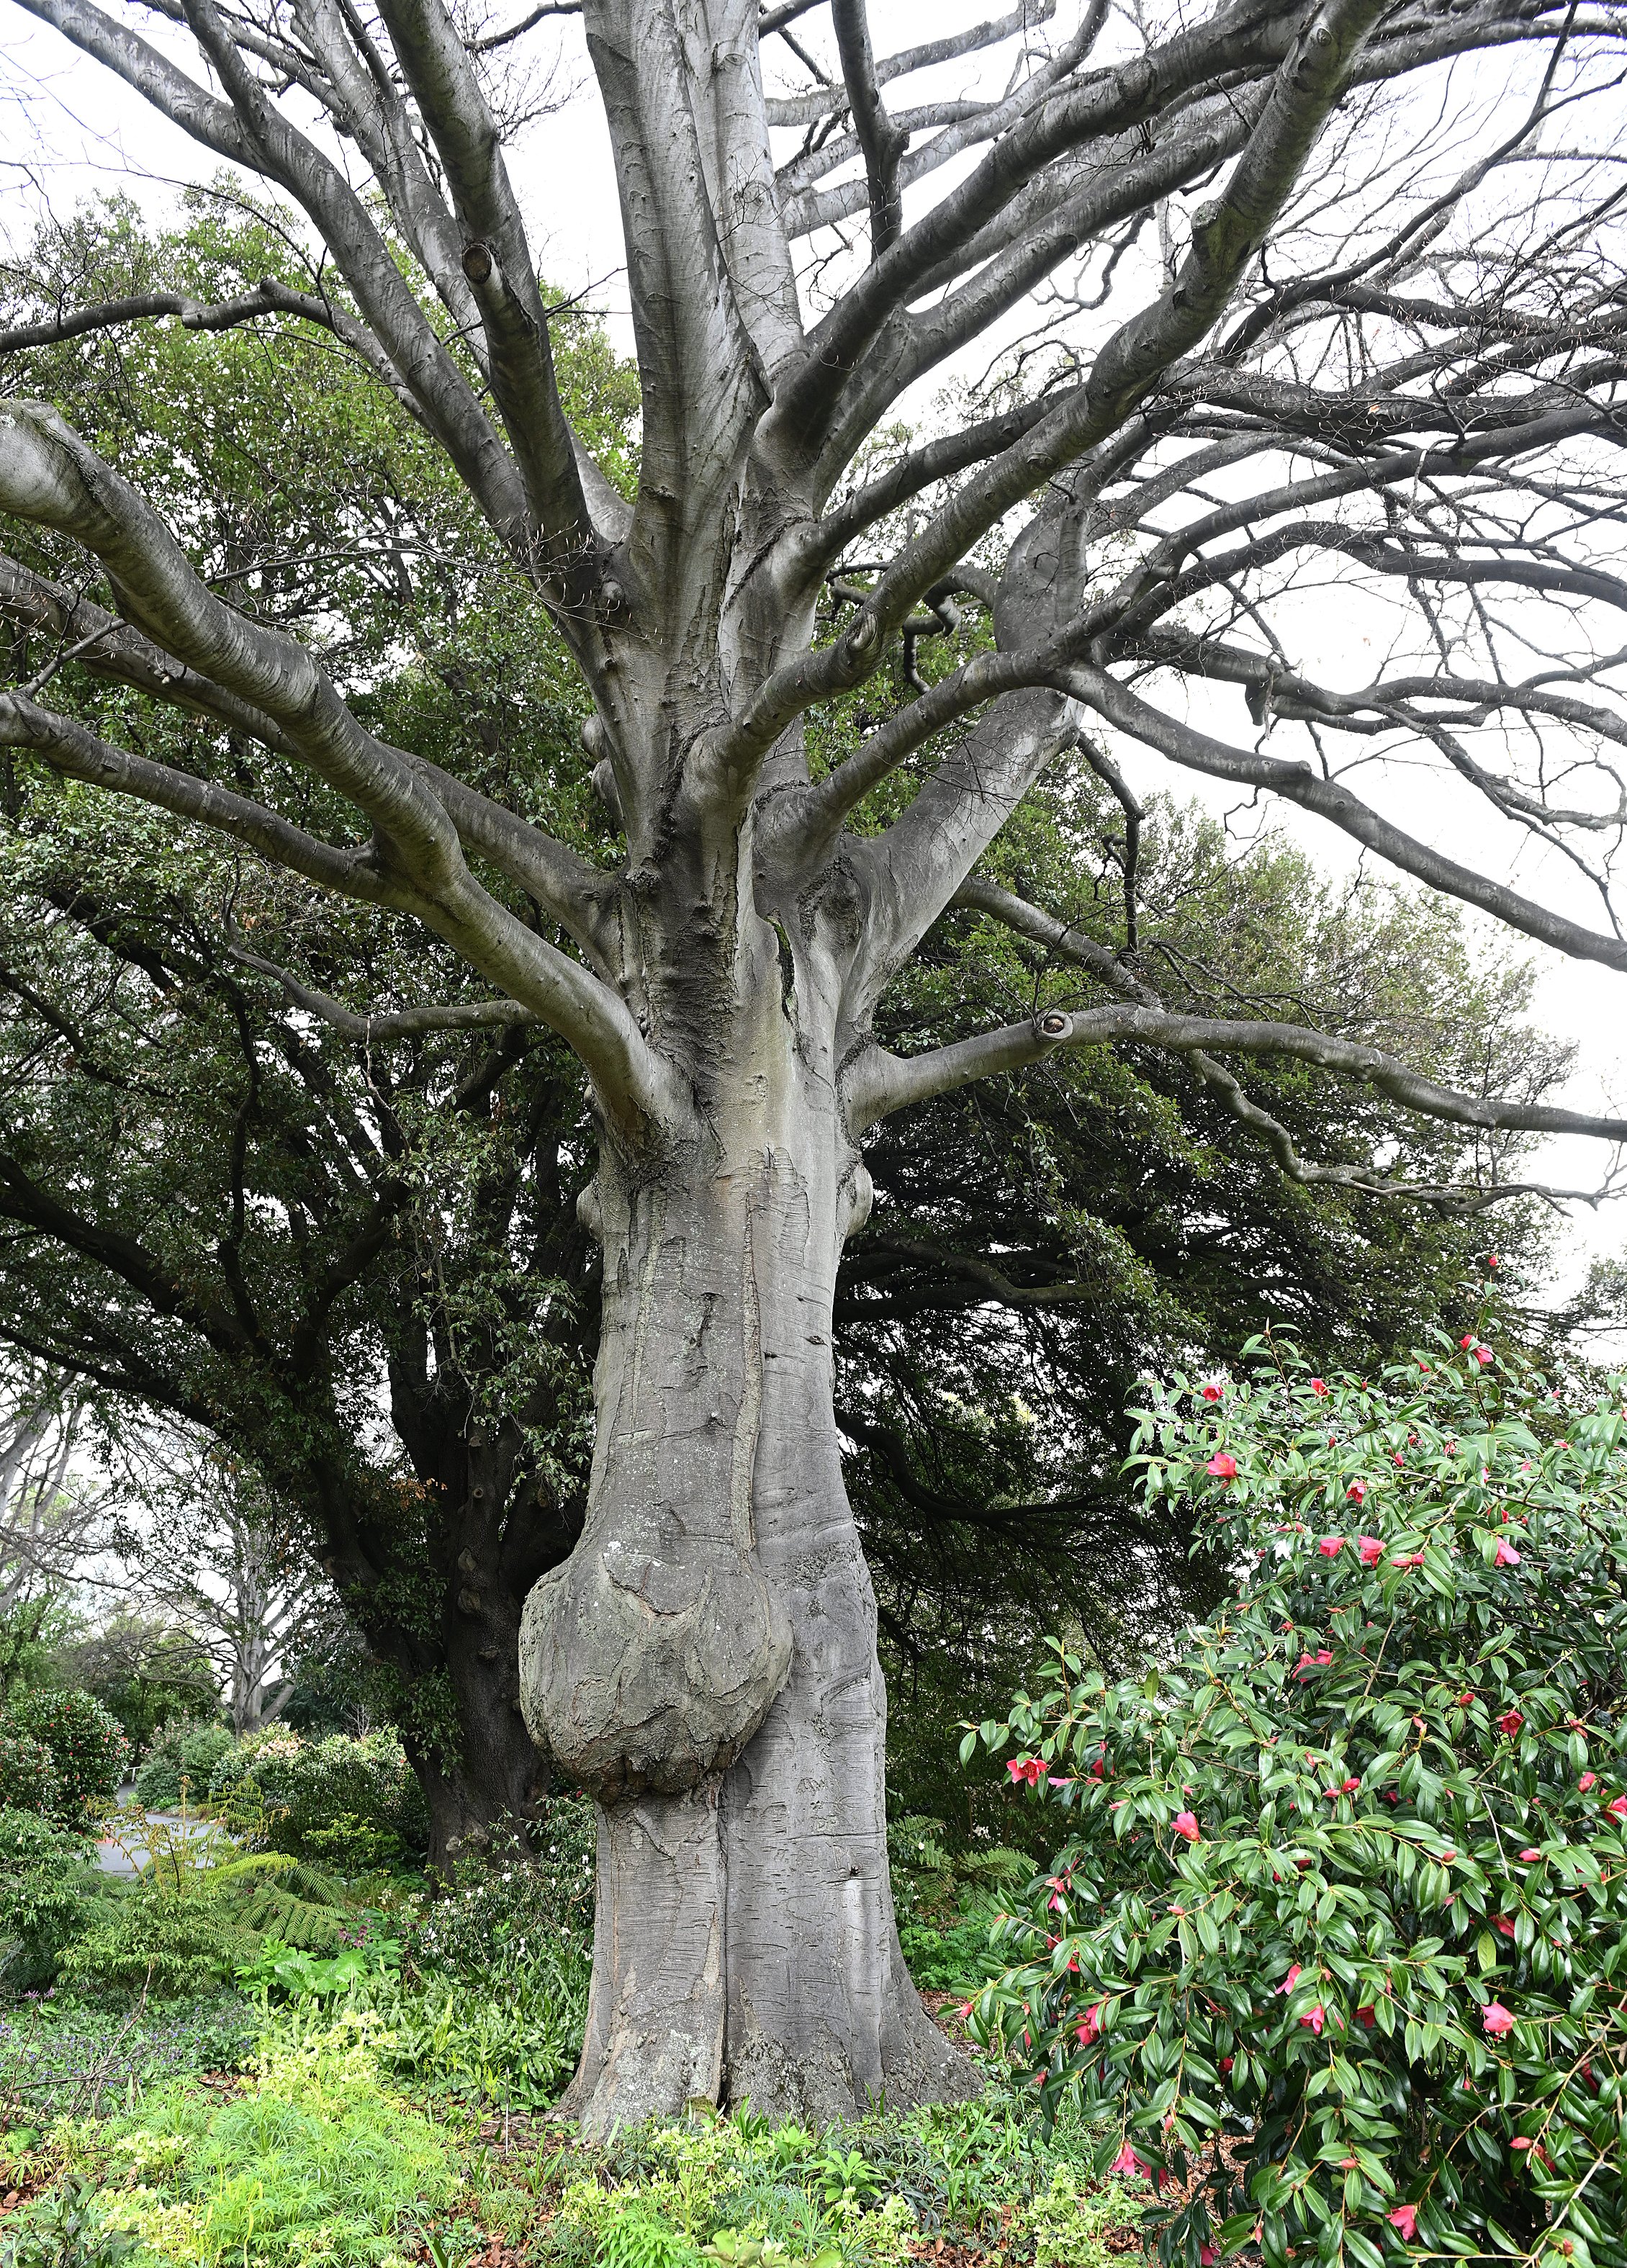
317, 2154
1343, 1889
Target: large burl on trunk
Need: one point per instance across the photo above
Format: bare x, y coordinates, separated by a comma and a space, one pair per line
706, 1661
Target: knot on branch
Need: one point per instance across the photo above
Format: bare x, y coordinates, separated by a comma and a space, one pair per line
1054, 1027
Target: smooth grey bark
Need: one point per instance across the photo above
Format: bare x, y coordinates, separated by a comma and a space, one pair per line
705, 1661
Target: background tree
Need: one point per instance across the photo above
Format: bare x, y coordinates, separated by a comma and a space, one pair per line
704, 1661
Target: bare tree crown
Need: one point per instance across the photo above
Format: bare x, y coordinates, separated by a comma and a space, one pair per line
1383, 360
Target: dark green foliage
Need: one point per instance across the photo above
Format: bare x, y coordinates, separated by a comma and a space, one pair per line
185, 1750
1347, 1883
28, 1780
350, 1805
89, 1751
43, 1879
947, 1902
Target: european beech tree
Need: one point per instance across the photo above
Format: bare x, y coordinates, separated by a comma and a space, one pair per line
1371, 363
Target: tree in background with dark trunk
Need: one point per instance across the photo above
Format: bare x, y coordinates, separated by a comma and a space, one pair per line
1349, 366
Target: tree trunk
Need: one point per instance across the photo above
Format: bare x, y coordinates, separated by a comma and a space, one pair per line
495, 1777
705, 1662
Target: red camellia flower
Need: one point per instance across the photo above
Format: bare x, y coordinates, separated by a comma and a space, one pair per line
1128, 2162
1371, 1549
1185, 1823
1497, 2019
1511, 1720
1367, 2016
1467, 1341
1211, 1393
1502, 1924
1408, 1560
1405, 2218
1618, 1808
1483, 1356
1290, 1980
1223, 1466
1091, 2028
1506, 1554
1356, 1492
1331, 1546
1313, 2021
1225, 2062
1587, 1781
1031, 1769
1319, 1387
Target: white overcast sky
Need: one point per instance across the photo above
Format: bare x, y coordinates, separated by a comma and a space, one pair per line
67, 129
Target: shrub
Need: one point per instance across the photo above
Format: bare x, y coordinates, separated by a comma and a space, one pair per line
351, 1803
42, 1877
509, 1903
86, 1743
28, 1780
1346, 1885
187, 1750
157, 1943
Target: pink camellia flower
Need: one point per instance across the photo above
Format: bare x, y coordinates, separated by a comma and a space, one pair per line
1483, 1356
1511, 1720
1405, 2218
1506, 1554
1128, 2162
1587, 1781
1185, 1823
1497, 2019
1223, 1466
1520, 2142
1331, 1546
1319, 1387
1091, 2028
1356, 1492
1290, 1980
1408, 1560
1618, 1807
1467, 1341
1211, 1392
1530, 1858
1031, 1769
1371, 1549
1313, 2021
1208, 2256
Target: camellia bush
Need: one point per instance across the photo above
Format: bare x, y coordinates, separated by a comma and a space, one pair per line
89, 1751
1336, 1938
28, 1778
